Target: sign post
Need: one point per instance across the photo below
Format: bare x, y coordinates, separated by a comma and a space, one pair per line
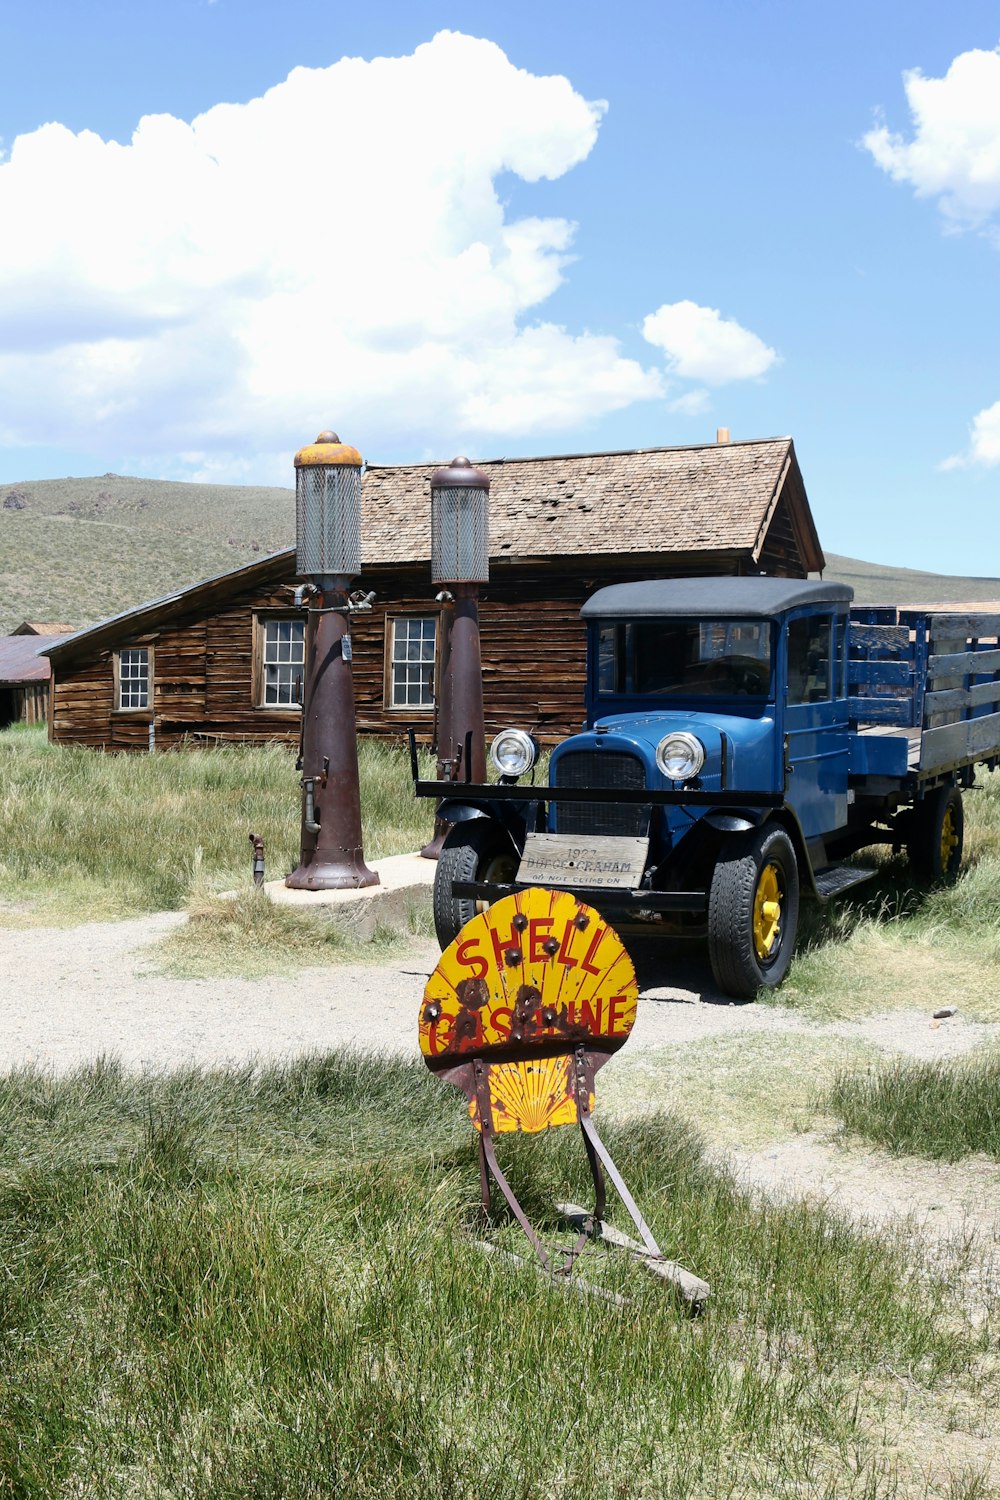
532, 998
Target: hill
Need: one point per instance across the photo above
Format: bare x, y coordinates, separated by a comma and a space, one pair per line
80, 549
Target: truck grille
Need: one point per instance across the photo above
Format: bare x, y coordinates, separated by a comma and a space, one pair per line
592, 768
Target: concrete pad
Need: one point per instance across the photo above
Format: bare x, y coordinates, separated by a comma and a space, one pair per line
405, 884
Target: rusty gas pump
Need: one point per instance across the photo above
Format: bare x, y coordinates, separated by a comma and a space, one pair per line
460, 562
328, 555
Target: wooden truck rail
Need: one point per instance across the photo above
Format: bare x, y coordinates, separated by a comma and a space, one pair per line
934, 675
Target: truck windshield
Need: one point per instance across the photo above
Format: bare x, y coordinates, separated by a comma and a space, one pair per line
684, 658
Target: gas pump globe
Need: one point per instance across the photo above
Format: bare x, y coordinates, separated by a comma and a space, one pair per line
328, 554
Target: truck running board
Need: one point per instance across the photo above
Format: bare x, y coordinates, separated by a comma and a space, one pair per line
836, 879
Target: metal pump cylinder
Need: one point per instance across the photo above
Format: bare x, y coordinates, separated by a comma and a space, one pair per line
460, 524
328, 509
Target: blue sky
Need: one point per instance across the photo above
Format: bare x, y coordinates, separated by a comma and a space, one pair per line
455, 252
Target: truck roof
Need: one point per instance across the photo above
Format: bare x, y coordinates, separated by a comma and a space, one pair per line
743, 598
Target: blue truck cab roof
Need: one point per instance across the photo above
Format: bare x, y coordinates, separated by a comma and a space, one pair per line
743, 598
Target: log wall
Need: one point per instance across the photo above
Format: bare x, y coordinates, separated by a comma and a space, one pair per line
204, 668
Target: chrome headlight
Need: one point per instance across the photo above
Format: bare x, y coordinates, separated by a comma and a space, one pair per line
680, 756
513, 752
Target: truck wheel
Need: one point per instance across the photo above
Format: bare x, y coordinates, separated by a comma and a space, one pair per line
937, 828
753, 911
476, 850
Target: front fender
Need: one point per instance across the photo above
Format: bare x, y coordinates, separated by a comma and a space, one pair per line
506, 815
737, 819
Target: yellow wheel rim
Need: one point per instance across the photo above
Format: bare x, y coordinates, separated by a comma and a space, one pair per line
949, 838
767, 913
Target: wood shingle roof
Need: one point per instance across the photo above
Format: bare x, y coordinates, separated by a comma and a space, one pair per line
717, 497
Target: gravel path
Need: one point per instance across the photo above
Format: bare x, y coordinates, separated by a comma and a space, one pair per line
73, 993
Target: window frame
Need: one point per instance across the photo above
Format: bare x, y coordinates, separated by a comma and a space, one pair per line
391, 620
262, 618
147, 708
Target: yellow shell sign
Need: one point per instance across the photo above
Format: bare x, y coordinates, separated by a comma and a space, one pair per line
538, 986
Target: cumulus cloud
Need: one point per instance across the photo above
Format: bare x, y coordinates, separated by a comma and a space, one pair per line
208, 293
954, 151
700, 344
984, 442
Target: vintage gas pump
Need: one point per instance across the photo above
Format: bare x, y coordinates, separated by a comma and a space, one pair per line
328, 554
460, 562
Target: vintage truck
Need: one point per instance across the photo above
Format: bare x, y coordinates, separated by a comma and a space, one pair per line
744, 737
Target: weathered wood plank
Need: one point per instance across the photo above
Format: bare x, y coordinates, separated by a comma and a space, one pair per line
881, 710
889, 673
972, 626
895, 638
963, 664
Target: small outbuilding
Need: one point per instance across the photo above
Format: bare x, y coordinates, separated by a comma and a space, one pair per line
24, 675
222, 660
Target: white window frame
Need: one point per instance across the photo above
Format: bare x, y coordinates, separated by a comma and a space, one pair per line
281, 705
126, 676
402, 671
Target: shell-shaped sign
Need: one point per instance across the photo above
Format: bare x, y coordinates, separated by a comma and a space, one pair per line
531, 981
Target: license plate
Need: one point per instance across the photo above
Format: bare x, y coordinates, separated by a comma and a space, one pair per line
601, 862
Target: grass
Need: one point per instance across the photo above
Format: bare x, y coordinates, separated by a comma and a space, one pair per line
251, 937
90, 836
894, 943
750, 1089
940, 1110
261, 1282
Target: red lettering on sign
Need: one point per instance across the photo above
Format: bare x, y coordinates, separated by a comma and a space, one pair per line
591, 1020
468, 956
501, 944
616, 1006
537, 928
500, 1021
595, 943
563, 955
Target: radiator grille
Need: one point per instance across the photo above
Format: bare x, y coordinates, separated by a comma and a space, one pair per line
591, 768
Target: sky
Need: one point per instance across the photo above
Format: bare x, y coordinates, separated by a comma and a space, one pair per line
508, 229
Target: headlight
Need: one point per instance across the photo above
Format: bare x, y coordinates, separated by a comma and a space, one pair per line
513, 752
680, 756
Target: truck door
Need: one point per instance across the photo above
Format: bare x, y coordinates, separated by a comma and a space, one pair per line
816, 744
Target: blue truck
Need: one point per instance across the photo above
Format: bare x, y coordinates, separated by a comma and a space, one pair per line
744, 739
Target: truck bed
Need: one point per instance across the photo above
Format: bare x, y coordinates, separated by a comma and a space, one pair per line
931, 676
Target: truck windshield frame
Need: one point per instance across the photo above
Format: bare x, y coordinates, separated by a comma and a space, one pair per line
684, 657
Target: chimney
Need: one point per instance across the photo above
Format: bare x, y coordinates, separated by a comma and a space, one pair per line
722, 434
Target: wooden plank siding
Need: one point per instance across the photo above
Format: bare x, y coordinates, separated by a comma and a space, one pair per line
204, 671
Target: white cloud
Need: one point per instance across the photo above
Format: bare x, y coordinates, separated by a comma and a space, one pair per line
333, 251
954, 153
700, 344
984, 442
703, 345
692, 404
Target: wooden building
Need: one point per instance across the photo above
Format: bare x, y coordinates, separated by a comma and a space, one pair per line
24, 675
221, 660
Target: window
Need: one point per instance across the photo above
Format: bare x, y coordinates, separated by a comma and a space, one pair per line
282, 658
133, 677
684, 658
412, 653
809, 659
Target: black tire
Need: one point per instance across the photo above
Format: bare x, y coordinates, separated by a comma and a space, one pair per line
750, 943
476, 850
936, 835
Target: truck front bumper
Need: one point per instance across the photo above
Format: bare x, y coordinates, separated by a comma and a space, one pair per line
602, 898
